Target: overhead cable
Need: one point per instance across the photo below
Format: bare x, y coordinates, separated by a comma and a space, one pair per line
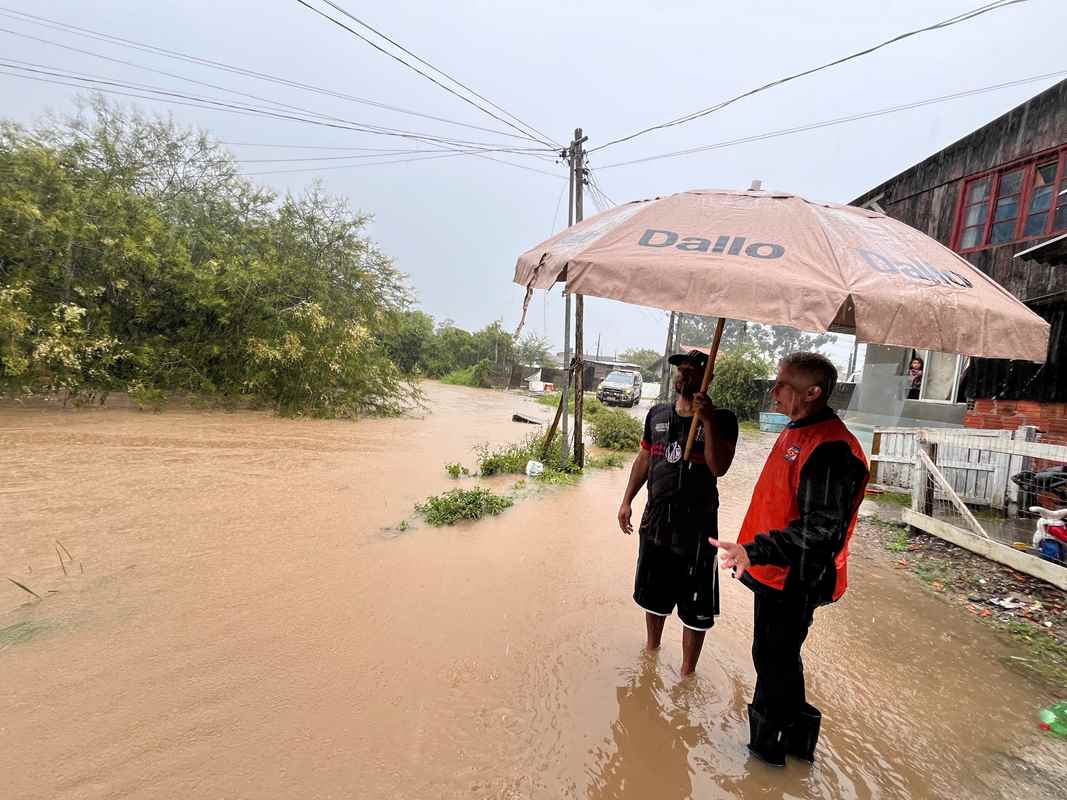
836, 121
426, 63
63, 77
415, 69
968, 15
63, 27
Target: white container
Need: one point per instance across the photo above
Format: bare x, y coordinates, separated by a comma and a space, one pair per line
534, 468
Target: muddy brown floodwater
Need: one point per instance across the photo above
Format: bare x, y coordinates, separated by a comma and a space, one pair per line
236, 622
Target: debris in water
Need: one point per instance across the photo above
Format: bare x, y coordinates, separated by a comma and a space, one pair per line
526, 419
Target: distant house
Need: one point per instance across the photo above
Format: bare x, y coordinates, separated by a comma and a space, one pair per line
998, 197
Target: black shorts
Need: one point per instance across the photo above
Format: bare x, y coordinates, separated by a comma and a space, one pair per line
666, 579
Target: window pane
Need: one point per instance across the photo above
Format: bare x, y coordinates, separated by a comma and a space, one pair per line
1045, 175
1035, 224
979, 190
1002, 232
1041, 199
976, 214
1060, 222
1007, 208
1011, 182
939, 382
971, 235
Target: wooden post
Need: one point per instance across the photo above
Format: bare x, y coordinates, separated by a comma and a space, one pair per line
552, 429
709, 373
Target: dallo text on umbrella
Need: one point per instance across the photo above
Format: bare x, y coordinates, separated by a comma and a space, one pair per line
730, 245
915, 270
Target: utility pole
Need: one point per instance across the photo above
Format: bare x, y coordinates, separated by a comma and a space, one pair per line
668, 351
578, 180
564, 444
598, 347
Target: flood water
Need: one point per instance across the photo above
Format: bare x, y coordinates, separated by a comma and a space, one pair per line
236, 621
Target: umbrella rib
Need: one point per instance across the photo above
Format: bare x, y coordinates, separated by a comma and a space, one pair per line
833, 254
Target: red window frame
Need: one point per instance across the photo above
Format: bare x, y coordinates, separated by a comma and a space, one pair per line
1029, 166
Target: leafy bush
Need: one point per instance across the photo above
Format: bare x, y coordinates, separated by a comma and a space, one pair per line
606, 461
460, 504
146, 397
456, 470
590, 406
476, 376
736, 372
134, 256
616, 430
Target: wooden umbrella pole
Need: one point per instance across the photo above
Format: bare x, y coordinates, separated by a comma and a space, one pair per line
709, 373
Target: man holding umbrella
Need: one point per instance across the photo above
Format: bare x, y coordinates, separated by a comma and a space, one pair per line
792, 550
675, 564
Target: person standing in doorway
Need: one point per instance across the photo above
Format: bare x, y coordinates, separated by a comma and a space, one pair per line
915, 378
675, 563
792, 550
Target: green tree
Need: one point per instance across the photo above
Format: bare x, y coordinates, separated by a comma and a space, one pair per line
774, 341
644, 358
133, 256
533, 349
409, 341
735, 386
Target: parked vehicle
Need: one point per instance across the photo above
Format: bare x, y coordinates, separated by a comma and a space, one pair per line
620, 388
1050, 535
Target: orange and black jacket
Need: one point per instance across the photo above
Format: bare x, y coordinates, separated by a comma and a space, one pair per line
804, 509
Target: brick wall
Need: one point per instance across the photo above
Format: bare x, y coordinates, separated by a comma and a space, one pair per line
1049, 418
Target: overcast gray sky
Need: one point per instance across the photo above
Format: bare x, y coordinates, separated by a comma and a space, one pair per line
456, 225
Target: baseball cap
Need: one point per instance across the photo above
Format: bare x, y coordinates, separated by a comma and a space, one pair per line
694, 357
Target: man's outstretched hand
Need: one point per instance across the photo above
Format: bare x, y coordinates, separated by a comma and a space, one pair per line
624, 519
733, 556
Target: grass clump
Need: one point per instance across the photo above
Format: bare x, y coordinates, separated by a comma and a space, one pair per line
616, 430
462, 504
456, 470
476, 375
899, 542
606, 461
1047, 655
893, 498
590, 405
23, 632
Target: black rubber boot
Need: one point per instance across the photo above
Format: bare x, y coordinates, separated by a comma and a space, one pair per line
766, 741
802, 735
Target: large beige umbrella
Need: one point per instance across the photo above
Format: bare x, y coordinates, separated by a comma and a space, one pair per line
776, 258
779, 259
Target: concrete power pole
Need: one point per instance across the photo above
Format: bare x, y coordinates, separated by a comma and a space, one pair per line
578, 172
564, 444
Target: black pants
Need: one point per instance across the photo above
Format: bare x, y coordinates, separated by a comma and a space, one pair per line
779, 629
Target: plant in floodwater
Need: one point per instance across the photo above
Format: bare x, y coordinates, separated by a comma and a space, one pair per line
616, 430
462, 504
456, 470
147, 398
22, 632
606, 461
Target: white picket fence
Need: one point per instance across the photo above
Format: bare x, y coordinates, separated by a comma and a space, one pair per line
978, 472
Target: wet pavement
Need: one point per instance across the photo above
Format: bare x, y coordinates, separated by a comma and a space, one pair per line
237, 621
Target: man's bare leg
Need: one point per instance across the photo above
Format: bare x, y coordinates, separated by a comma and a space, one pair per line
692, 642
654, 629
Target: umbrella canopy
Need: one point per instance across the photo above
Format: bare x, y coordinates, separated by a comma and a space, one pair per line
779, 259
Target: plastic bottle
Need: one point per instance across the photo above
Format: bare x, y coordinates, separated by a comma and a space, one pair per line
1054, 718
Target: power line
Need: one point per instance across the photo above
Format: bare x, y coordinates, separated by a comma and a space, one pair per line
836, 121
415, 69
180, 98
968, 15
426, 63
206, 62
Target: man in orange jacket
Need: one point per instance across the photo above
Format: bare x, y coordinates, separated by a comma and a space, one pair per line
792, 550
